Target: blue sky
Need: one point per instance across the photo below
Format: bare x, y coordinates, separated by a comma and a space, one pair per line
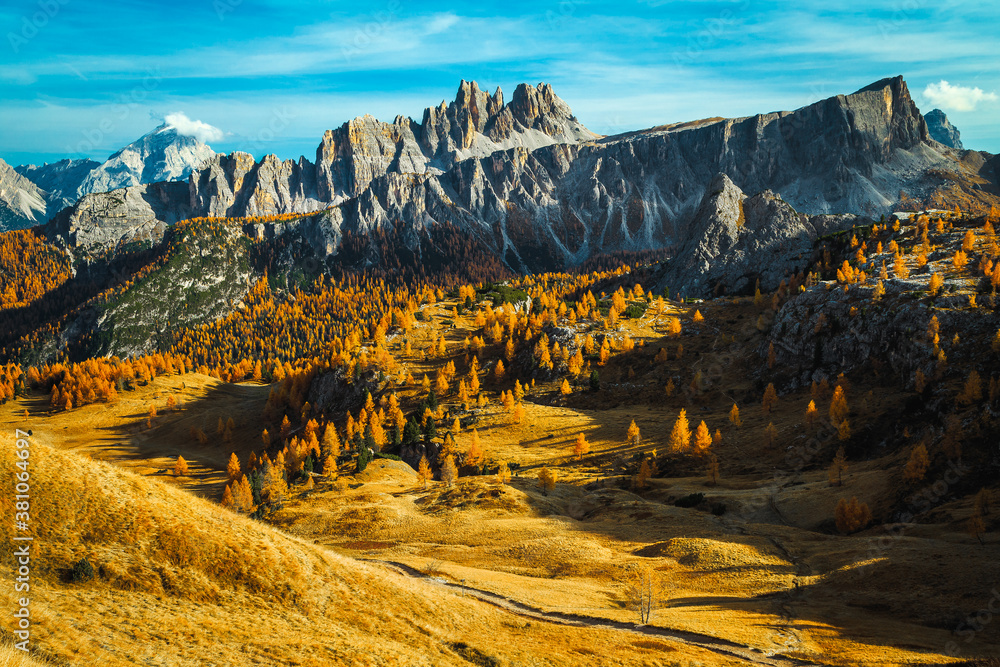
83, 78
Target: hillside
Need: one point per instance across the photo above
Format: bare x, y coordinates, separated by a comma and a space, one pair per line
176, 576
870, 374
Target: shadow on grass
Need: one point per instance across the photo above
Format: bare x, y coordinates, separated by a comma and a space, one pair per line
131, 441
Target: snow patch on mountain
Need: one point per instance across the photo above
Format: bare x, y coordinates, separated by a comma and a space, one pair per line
162, 155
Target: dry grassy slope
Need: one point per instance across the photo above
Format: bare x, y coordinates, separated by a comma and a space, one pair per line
184, 582
866, 599
731, 577
117, 433
11, 657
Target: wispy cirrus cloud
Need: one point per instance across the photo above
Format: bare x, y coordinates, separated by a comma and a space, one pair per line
619, 65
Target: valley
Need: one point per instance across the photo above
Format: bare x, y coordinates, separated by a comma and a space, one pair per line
749, 568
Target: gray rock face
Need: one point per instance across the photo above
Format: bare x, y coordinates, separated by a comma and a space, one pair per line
235, 186
130, 214
476, 124
350, 157
737, 240
22, 203
942, 131
531, 183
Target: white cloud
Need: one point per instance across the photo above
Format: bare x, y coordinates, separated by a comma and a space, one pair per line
441, 23
956, 98
17, 75
203, 132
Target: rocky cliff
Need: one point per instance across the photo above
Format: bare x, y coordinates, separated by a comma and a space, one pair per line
942, 131
129, 214
540, 190
735, 241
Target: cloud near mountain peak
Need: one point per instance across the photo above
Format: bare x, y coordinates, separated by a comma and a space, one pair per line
200, 130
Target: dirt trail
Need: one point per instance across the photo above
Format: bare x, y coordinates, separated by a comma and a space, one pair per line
707, 642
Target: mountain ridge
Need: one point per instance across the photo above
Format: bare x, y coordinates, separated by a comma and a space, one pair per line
60, 180
162, 155
529, 181
20, 199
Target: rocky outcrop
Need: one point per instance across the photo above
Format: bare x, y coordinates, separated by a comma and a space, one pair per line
235, 185
530, 182
942, 131
22, 203
816, 335
130, 214
735, 241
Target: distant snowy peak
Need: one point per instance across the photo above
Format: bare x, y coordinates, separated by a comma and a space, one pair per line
30, 194
162, 155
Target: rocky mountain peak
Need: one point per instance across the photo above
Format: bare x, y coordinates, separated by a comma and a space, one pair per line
734, 241
161, 155
478, 123
540, 108
474, 124
470, 112
720, 215
60, 180
942, 131
906, 125
496, 101
897, 83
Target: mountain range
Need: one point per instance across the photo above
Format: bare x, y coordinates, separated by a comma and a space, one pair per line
42, 191
533, 186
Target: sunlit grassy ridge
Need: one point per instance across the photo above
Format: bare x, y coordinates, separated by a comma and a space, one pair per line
180, 581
